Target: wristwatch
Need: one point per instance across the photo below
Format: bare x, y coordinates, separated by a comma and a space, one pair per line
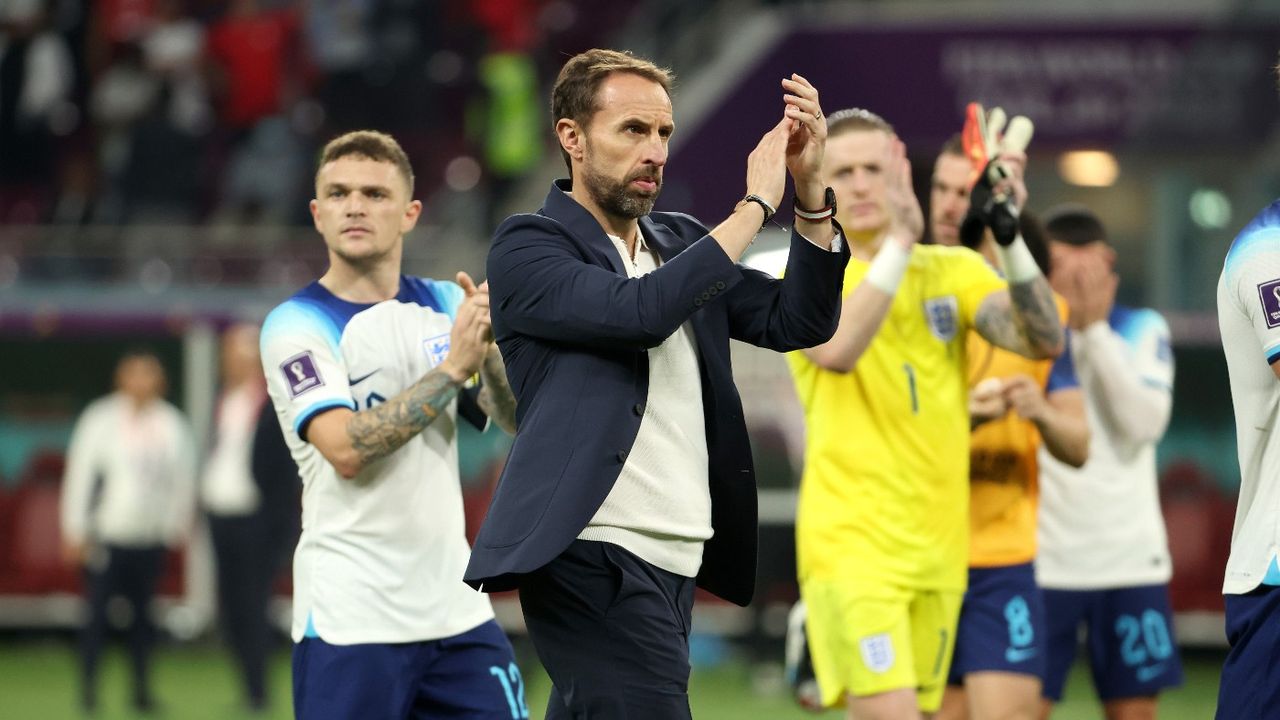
826, 212
769, 210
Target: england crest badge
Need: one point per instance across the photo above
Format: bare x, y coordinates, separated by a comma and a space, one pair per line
436, 348
942, 316
877, 652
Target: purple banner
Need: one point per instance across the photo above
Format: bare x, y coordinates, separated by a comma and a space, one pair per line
1175, 88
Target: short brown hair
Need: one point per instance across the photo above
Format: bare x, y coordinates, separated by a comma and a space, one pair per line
851, 119
574, 94
371, 145
953, 146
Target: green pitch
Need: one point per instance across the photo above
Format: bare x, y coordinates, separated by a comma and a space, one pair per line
195, 682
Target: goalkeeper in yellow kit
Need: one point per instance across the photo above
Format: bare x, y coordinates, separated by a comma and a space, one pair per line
883, 521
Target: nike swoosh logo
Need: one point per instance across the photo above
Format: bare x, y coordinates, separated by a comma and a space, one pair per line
362, 378
1147, 674
1017, 655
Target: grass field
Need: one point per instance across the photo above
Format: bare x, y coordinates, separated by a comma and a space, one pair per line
195, 682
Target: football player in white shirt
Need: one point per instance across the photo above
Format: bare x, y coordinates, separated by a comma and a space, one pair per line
1103, 555
128, 495
1249, 316
367, 371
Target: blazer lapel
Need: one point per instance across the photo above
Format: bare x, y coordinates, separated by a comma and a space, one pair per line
661, 238
581, 224
669, 245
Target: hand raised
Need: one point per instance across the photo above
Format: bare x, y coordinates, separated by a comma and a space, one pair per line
472, 331
808, 132
905, 214
476, 294
1015, 183
1093, 293
766, 165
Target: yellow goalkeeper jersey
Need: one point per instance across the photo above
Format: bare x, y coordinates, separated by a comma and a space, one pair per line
885, 492
1002, 460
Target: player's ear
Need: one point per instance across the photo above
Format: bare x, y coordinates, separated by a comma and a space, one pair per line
571, 137
314, 205
412, 212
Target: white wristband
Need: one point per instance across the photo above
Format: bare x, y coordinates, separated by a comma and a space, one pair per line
888, 266
1018, 265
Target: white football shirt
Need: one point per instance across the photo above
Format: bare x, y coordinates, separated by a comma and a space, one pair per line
1249, 317
1100, 525
381, 556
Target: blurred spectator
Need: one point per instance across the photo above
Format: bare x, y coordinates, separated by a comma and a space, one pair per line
123, 94
127, 494
236, 514
279, 488
509, 124
253, 55
253, 58
510, 24
122, 21
35, 82
173, 48
168, 111
340, 47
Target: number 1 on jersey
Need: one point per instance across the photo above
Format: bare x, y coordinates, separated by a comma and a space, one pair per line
911, 384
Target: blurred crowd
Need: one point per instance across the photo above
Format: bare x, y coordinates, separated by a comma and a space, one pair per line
187, 111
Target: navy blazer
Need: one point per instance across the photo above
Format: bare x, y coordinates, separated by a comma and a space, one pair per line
574, 331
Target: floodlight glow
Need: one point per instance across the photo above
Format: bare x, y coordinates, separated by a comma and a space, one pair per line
1089, 168
1210, 209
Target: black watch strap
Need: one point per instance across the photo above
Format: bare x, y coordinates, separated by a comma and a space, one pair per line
769, 210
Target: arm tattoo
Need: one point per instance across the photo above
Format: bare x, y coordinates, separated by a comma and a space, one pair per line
1023, 320
379, 431
496, 399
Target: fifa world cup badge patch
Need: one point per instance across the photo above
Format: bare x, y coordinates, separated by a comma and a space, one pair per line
877, 652
941, 314
1269, 293
436, 348
301, 374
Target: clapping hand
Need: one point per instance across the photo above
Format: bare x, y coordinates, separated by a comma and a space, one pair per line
905, 214
472, 332
806, 141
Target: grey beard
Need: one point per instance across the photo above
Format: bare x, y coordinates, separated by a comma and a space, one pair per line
617, 199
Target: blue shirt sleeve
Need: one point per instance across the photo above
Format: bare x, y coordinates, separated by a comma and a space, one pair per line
1063, 374
450, 295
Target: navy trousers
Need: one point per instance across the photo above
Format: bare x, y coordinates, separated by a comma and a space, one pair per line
132, 573
612, 631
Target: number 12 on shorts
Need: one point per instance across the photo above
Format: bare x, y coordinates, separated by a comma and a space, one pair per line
513, 687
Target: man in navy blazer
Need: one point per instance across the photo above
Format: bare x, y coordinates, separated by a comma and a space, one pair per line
630, 476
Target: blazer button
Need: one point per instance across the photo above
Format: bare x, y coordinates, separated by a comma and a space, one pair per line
697, 302
719, 284
638, 409
622, 456
713, 291
706, 296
